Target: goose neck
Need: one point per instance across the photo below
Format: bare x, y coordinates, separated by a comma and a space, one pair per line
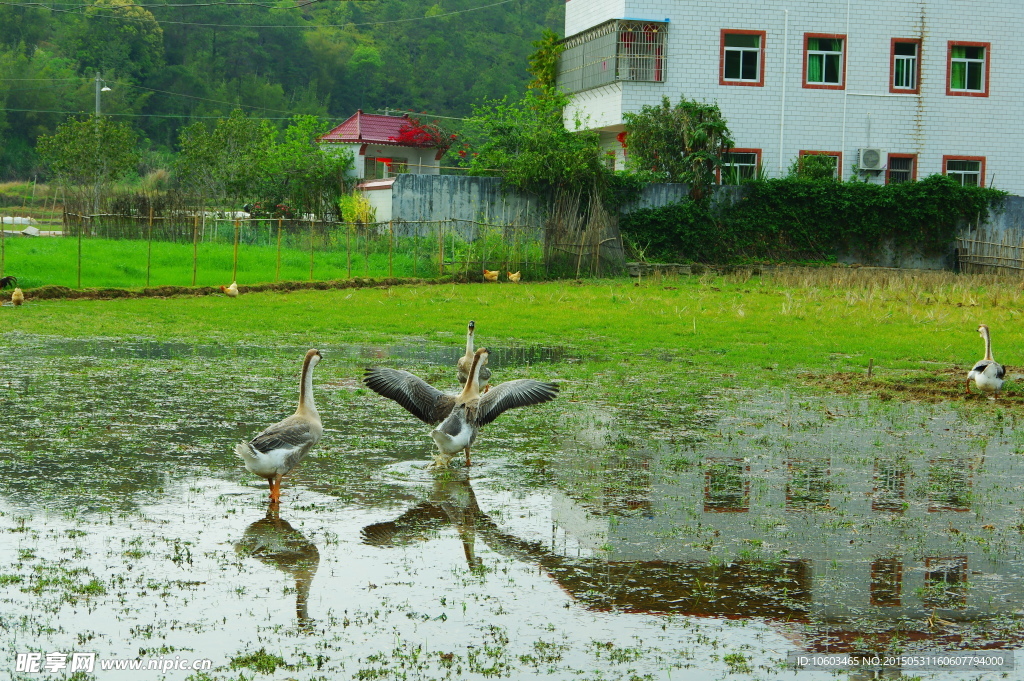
306, 402
988, 345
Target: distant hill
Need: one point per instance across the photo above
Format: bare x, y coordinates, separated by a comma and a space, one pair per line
168, 65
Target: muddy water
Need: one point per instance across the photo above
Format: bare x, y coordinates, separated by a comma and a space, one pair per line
593, 538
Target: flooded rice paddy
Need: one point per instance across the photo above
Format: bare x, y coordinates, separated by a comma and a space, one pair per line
606, 535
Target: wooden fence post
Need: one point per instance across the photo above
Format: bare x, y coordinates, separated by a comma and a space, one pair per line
80, 229
277, 273
149, 248
195, 248
234, 263
311, 251
391, 248
440, 249
348, 248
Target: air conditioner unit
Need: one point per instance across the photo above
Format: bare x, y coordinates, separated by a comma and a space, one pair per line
871, 159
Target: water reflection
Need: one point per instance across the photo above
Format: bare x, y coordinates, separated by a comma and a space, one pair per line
274, 542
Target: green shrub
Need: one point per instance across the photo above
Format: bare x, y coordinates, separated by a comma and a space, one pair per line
793, 219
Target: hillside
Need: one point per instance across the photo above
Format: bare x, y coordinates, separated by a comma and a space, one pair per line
170, 63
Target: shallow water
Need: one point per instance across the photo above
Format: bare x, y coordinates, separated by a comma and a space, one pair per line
596, 537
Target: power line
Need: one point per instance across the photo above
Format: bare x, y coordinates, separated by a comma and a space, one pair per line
299, 26
139, 115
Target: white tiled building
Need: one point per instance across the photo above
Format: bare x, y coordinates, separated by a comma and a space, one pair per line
900, 90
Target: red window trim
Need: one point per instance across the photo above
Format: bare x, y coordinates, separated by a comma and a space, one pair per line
913, 166
892, 67
721, 57
954, 157
949, 68
842, 78
837, 154
737, 150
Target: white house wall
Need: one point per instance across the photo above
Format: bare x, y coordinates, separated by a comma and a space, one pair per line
782, 118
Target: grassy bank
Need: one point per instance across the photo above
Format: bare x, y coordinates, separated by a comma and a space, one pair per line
725, 328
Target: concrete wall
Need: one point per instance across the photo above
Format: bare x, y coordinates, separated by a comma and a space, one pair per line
445, 197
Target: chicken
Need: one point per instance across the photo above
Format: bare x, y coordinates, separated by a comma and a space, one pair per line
230, 291
17, 298
8, 280
515, 276
491, 275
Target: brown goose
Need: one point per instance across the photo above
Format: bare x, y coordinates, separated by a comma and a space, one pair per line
280, 448
460, 416
466, 361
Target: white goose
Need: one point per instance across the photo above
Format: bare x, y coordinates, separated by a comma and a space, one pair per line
277, 450
988, 374
466, 361
460, 416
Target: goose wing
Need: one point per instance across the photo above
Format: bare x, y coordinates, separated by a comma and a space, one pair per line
419, 398
292, 433
511, 394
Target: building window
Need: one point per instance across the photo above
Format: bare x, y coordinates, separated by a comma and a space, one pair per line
742, 58
613, 51
886, 582
966, 170
837, 161
740, 165
945, 582
823, 61
889, 494
949, 484
905, 59
901, 168
726, 486
967, 69
378, 167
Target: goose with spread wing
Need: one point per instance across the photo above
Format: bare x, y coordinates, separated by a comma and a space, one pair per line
458, 418
278, 449
987, 374
465, 362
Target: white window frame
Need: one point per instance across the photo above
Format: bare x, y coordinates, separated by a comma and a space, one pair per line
967, 61
910, 65
743, 51
824, 55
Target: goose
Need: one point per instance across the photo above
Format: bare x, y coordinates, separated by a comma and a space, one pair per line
515, 276
491, 275
277, 450
466, 361
17, 297
987, 373
230, 291
461, 416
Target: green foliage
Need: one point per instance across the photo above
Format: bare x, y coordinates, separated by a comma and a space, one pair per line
814, 168
794, 219
171, 65
93, 151
686, 141
245, 159
544, 60
527, 144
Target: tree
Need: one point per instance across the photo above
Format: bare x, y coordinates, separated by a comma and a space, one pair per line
814, 168
120, 37
685, 141
527, 143
544, 60
90, 153
303, 175
229, 161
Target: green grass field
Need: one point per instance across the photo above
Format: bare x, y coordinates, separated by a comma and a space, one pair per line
807, 325
123, 263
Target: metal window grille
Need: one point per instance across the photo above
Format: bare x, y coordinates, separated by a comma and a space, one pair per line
901, 169
738, 166
613, 51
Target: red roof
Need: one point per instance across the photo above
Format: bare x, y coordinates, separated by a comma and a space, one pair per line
363, 128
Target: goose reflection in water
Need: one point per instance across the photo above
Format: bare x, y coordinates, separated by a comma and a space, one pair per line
273, 541
451, 501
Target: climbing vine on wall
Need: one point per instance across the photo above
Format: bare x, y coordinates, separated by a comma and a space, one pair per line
792, 219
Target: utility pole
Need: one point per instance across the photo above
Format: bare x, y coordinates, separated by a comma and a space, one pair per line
98, 81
